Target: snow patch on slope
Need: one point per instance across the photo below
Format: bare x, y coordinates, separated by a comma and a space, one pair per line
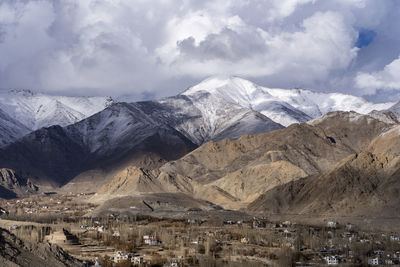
395, 131
351, 116
395, 110
10, 129
118, 125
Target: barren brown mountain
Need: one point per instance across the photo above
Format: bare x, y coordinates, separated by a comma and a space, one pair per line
232, 173
15, 252
387, 142
14, 185
362, 184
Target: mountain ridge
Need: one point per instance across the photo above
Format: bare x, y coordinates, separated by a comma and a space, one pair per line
57, 154
233, 173
37, 110
303, 104
149, 133
361, 183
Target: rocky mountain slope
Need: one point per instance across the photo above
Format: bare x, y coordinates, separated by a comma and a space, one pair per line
360, 184
395, 110
15, 252
387, 142
14, 185
234, 172
134, 181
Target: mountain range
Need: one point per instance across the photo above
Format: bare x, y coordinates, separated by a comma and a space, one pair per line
226, 140
281, 105
233, 173
217, 108
37, 110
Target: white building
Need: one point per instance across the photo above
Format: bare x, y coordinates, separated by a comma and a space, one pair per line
119, 256
137, 260
116, 233
332, 260
150, 240
375, 261
394, 238
102, 228
332, 224
389, 262
13, 227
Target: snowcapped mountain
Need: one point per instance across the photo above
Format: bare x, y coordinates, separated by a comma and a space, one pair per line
217, 108
202, 117
281, 105
148, 132
120, 135
10, 129
36, 110
120, 127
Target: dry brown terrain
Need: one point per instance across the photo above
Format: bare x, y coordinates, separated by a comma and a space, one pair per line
233, 173
361, 184
16, 252
14, 185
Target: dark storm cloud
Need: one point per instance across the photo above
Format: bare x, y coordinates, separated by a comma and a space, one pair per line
159, 47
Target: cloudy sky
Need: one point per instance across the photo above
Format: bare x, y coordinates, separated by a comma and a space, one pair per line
154, 48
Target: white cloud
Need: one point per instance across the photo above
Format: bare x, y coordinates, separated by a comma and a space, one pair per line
388, 78
196, 25
281, 9
322, 43
161, 46
25, 40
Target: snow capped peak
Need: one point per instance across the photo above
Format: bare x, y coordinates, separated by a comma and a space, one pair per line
214, 83
230, 88
284, 106
56, 111
36, 110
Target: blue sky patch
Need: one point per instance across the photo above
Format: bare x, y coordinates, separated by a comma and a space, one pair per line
365, 37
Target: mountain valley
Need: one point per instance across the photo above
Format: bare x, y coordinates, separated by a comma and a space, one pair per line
204, 142
226, 153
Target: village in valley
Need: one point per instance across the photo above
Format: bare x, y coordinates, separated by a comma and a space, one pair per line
192, 239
